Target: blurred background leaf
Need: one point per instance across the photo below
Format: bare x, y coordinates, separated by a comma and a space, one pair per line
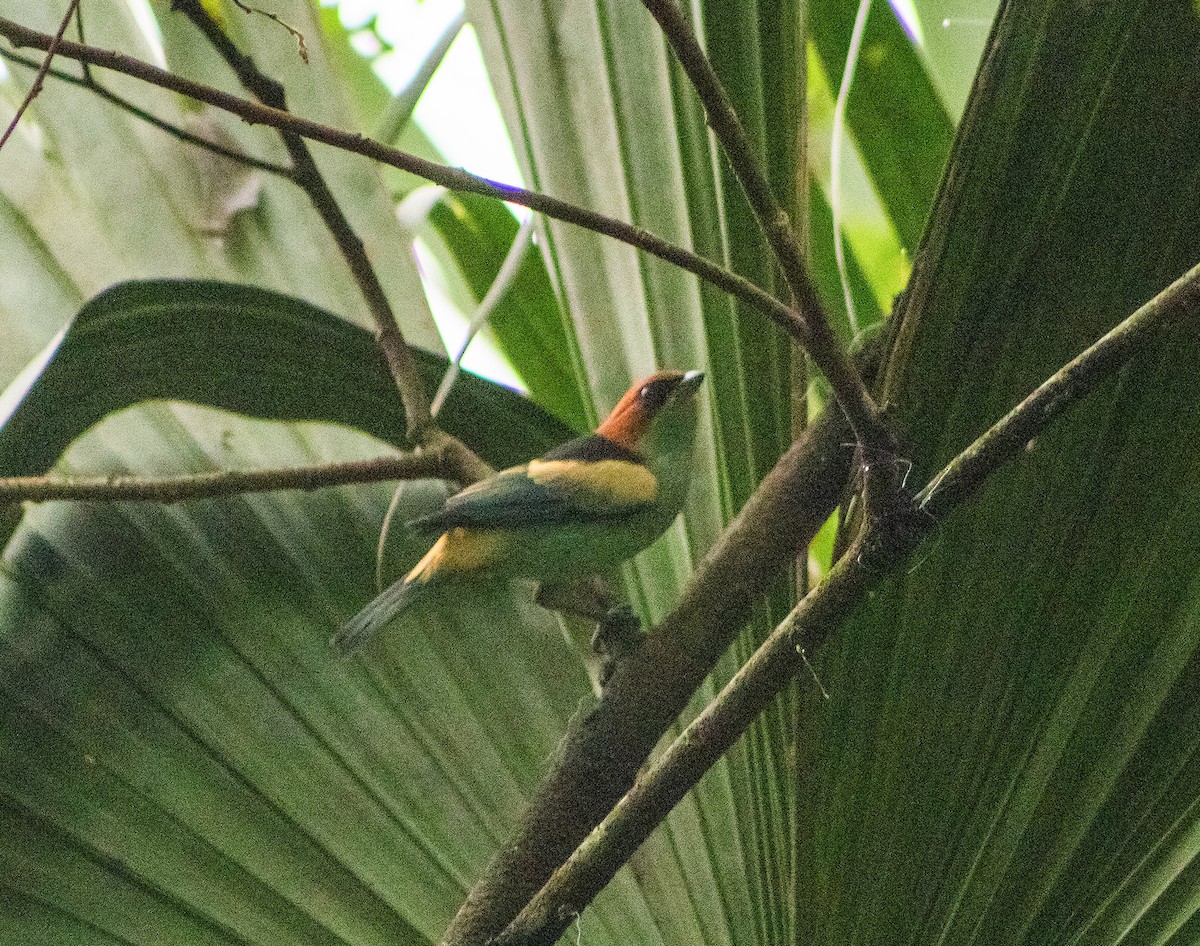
1009, 754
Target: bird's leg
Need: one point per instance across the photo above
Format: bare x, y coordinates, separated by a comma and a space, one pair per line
618, 631
618, 637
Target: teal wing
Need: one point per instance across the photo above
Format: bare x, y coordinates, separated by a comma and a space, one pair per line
579, 482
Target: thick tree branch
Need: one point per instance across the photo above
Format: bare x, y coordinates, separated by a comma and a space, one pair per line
894, 528
452, 178
426, 464
818, 338
599, 760
708, 737
308, 176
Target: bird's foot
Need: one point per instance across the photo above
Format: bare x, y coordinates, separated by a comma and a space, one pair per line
618, 637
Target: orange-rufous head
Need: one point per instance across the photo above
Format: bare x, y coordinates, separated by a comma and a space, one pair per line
634, 415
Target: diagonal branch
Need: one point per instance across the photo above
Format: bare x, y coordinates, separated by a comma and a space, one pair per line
708, 737
455, 179
38, 79
819, 340
1009, 436
893, 531
598, 761
308, 176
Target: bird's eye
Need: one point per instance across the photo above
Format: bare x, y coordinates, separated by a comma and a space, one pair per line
654, 394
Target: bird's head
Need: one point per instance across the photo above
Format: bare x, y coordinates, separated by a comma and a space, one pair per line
657, 416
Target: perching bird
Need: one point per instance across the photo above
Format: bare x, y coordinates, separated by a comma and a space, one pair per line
582, 507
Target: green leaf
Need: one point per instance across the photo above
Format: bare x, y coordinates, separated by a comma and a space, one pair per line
184, 756
92, 196
1010, 751
900, 128
135, 812
246, 350
954, 40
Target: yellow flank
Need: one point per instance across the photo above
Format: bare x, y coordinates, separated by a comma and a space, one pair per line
601, 484
461, 550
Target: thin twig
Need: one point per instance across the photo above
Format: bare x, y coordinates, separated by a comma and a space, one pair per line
88, 82
301, 46
492, 298
817, 335
308, 176
425, 464
41, 73
893, 530
455, 179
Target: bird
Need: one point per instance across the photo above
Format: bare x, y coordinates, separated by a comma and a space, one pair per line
584, 506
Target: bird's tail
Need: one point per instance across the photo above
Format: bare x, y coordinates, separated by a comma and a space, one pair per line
388, 604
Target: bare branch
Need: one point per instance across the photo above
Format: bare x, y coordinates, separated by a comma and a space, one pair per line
1075, 380
425, 464
452, 178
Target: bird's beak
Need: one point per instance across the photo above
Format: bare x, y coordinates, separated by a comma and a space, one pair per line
688, 385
